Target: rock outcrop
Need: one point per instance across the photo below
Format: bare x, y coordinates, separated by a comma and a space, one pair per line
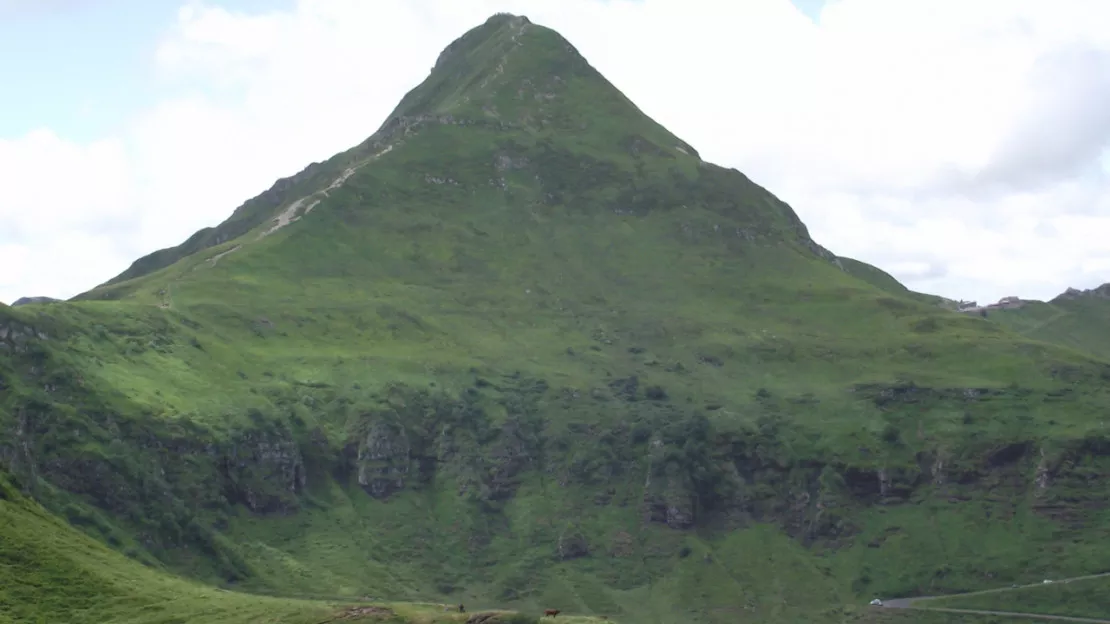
1101, 292
264, 470
383, 458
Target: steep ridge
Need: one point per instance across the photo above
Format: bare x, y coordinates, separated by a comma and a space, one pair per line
884, 281
524, 347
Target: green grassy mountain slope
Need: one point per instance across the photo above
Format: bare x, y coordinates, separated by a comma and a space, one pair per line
524, 348
1075, 319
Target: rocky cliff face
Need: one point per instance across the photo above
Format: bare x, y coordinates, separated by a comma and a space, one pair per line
17, 336
383, 458
669, 492
263, 470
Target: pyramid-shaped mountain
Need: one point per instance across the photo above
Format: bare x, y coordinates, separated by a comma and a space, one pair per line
512, 115
523, 347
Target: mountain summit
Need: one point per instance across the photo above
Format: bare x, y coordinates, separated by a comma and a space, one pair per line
524, 347
535, 103
503, 68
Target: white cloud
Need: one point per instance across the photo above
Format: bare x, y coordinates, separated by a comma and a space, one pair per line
955, 144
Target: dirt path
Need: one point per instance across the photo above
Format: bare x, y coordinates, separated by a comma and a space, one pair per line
911, 603
294, 211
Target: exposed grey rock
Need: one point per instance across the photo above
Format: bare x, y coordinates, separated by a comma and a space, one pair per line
506, 162
572, 544
384, 459
15, 336
265, 471
669, 495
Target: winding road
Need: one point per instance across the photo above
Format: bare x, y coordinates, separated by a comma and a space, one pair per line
911, 603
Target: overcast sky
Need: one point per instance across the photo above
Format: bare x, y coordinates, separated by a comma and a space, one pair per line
962, 145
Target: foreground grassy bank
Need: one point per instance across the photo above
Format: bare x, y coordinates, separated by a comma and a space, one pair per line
51, 573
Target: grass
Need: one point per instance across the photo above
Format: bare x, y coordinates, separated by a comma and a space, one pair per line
51, 573
538, 354
1075, 322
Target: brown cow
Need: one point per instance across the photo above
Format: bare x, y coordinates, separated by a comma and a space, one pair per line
551, 612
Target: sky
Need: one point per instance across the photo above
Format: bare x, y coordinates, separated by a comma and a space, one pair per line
961, 145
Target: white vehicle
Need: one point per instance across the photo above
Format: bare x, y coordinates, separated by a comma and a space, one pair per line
1046, 581
876, 603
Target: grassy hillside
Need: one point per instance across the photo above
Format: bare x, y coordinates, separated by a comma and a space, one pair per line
524, 348
51, 573
1078, 320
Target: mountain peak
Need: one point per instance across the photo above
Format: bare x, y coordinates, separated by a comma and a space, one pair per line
513, 73
505, 68
499, 29
511, 104
497, 24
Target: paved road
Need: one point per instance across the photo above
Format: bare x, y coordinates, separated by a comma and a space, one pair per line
1028, 616
911, 603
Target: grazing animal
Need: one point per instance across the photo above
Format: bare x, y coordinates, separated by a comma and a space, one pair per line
551, 612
